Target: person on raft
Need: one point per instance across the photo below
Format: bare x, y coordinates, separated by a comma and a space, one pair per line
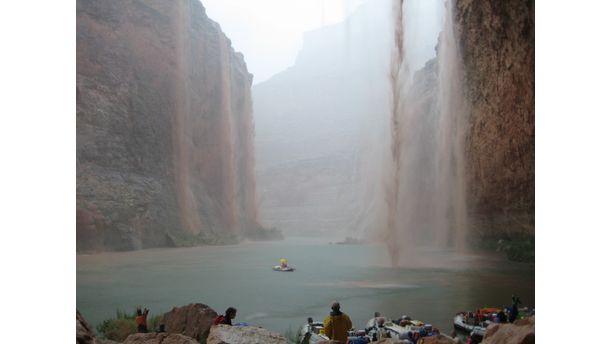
337, 324
226, 319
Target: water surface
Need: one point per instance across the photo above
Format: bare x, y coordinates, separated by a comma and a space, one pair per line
432, 289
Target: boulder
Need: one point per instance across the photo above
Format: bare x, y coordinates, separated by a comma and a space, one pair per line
193, 320
520, 332
225, 334
158, 338
84, 333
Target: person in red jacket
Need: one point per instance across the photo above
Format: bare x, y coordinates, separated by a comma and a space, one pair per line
226, 319
141, 320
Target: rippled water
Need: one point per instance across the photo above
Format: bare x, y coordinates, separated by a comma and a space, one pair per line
432, 289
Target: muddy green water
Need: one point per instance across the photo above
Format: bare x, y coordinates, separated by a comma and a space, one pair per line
357, 276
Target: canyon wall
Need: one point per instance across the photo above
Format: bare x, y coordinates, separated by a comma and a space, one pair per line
165, 151
323, 129
497, 42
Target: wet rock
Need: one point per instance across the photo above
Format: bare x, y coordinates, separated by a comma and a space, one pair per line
520, 332
224, 334
497, 39
84, 333
159, 338
193, 320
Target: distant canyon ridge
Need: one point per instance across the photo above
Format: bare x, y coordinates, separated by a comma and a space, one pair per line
167, 115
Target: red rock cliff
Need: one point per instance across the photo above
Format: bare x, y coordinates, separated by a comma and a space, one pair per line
164, 127
497, 43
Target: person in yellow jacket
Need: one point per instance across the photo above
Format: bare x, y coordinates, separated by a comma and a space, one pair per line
337, 324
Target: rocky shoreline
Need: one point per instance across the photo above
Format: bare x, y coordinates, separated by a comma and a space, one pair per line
193, 324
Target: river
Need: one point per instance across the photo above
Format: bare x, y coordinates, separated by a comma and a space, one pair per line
358, 276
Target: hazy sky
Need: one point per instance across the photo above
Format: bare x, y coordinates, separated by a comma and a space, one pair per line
269, 32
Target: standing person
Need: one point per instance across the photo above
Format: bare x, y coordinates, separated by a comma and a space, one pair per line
226, 319
380, 332
337, 324
141, 319
514, 309
308, 334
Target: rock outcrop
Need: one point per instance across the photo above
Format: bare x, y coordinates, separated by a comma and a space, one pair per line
164, 128
84, 333
224, 334
520, 332
497, 43
159, 338
193, 320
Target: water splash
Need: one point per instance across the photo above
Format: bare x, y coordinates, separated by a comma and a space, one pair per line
425, 190
454, 114
396, 78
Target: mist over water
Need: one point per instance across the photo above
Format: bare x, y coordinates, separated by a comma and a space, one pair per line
424, 179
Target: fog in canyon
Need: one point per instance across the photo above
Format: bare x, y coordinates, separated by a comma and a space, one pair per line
378, 145
364, 136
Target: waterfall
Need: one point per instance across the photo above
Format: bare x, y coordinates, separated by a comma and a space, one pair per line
425, 192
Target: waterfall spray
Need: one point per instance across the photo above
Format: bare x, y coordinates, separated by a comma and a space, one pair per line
453, 110
425, 192
392, 191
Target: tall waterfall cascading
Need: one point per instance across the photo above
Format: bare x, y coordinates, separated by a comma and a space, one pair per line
425, 190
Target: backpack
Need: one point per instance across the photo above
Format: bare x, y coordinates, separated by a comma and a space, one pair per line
220, 319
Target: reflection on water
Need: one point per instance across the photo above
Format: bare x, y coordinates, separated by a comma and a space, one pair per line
432, 289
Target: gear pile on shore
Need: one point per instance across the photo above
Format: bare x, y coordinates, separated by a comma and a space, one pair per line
193, 324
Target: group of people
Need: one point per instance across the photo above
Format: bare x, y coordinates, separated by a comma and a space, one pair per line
509, 314
141, 319
338, 327
379, 330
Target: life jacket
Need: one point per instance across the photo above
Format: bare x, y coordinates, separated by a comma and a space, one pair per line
220, 319
141, 320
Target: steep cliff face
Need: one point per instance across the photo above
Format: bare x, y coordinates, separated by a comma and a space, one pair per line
497, 44
164, 127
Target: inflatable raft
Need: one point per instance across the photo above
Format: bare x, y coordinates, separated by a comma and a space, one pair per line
280, 268
283, 266
477, 328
